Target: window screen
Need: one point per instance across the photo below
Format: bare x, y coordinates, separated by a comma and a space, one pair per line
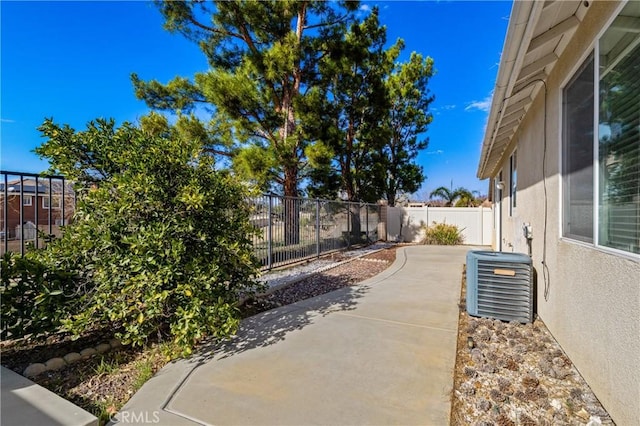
577, 168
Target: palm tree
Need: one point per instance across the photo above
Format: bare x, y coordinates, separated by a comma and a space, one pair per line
467, 198
445, 193
463, 196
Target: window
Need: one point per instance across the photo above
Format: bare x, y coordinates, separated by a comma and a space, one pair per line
27, 200
619, 135
577, 167
606, 85
56, 202
513, 181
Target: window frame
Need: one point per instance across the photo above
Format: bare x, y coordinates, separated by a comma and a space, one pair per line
46, 198
29, 198
593, 49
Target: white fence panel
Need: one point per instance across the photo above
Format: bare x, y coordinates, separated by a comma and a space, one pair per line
487, 226
395, 221
406, 223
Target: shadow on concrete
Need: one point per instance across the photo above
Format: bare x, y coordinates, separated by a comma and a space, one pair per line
273, 326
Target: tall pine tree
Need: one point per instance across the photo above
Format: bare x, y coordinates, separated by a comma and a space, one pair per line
263, 58
353, 103
354, 106
374, 112
407, 120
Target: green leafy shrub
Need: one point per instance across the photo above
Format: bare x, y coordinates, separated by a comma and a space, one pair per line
442, 234
161, 243
34, 298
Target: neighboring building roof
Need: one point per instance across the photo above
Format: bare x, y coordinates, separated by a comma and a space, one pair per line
29, 186
14, 188
538, 33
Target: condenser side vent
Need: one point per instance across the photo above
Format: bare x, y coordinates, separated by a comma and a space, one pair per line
500, 285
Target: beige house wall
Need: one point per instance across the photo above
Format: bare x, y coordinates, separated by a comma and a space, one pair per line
588, 297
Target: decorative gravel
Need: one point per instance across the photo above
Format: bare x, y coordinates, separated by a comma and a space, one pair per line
305, 281
511, 374
281, 277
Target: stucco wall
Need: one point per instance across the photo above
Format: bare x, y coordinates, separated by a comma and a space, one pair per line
589, 298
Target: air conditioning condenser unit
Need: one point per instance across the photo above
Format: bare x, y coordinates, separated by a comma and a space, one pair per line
500, 286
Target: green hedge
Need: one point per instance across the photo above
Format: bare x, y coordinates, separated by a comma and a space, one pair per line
34, 298
160, 244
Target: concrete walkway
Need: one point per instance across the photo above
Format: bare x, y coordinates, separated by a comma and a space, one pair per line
24, 403
382, 352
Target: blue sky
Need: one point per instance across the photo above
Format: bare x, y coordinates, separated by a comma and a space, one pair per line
72, 61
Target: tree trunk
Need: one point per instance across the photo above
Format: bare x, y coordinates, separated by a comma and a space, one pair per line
348, 163
290, 165
391, 199
291, 203
391, 191
356, 227
291, 207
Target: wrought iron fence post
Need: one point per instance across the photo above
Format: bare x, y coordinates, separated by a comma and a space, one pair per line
348, 224
50, 209
21, 201
5, 225
269, 235
35, 206
317, 227
62, 205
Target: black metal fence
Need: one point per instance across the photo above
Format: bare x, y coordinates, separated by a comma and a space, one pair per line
32, 209
295, 229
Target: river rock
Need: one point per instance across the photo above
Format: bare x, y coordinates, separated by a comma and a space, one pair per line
88, 353
72, 357
34, 369
103, 347
55, 364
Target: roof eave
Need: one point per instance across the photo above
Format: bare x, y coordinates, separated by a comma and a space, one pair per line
537, 35
522, 22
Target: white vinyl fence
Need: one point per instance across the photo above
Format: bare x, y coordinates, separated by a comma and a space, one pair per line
405, 223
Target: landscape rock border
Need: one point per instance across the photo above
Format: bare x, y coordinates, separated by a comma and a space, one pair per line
58, 363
